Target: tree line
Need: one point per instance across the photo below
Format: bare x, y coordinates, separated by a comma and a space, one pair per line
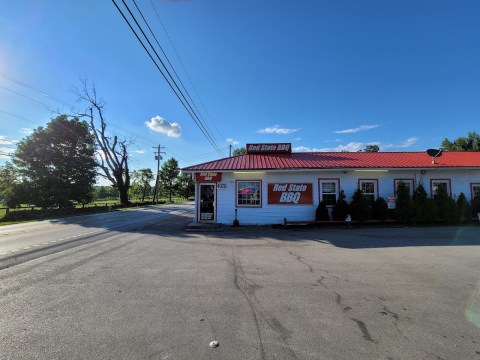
57, 165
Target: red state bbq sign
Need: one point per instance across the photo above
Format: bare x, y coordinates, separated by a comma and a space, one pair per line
282, 148
290, 193
208, 177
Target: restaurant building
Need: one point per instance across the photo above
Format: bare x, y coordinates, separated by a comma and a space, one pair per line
270, 182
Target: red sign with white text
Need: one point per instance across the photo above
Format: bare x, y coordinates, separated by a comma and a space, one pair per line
208, 177
290, 193
283, 148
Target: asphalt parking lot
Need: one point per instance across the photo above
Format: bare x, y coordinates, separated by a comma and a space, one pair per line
330, 293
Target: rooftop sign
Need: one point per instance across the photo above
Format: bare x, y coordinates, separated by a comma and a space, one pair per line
283, 148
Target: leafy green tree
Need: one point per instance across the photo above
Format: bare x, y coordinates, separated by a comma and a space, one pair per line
186, 186
9, 185
57, 163
105, 193
142, 179
372, 148
169, 176
469, 143
239, 151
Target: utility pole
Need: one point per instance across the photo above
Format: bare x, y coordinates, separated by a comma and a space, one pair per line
158, 157
230, 146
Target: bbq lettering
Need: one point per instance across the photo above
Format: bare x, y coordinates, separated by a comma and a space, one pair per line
290, 193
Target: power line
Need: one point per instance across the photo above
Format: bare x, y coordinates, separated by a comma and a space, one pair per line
138, 138
184, 68
190, 110
177, 91
28, 86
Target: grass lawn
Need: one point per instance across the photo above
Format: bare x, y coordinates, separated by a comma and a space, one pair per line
95, 203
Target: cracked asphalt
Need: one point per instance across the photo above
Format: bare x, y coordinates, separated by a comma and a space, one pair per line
162, 292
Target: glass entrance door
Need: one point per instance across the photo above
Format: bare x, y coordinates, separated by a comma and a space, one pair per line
206, 211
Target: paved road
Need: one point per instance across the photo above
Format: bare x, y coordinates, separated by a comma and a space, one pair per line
156, 291
22, 242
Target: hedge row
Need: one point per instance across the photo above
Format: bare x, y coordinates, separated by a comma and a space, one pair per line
418, 209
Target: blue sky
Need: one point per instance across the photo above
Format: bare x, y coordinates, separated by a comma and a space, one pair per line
323, 75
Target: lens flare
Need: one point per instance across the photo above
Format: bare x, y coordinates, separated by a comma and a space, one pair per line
472, 312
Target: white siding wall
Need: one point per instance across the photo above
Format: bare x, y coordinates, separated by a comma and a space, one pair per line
274, 214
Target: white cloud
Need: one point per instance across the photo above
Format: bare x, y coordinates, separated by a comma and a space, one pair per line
4, 151
159, 124
232, 141
5, 141
141, 151
357, 146
350, 147
402, 145
25, 131
357, 129
297, 139
276, 129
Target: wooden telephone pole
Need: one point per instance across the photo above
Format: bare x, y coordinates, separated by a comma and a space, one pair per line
158, 157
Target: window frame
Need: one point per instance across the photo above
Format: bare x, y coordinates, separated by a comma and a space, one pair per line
472, 193
260, 187
328, 180
411, 181
376, 190
447, 181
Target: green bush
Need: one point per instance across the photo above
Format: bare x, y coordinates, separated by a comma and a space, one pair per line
475, 206
403, 205
359, 209
322, 212
423, 207
341, 209
380, 209
464, 209
446, 209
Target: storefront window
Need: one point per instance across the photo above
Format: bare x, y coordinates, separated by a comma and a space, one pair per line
369, 189
475, 190
408, 185
440, 184
329, 191
249, 193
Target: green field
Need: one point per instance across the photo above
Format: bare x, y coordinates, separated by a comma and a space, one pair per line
24, 207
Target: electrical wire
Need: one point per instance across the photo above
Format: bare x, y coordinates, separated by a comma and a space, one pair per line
195, 117
177, 91
184, 68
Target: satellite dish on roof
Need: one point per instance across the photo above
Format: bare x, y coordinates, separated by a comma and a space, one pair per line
434, 153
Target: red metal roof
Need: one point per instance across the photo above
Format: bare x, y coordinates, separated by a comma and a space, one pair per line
340, 160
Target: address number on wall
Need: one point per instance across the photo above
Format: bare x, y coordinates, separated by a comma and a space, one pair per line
222, 185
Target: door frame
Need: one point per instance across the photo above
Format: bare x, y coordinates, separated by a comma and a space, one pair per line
199, 219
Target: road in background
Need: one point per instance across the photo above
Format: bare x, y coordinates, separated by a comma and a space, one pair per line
157, 291
26, 241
